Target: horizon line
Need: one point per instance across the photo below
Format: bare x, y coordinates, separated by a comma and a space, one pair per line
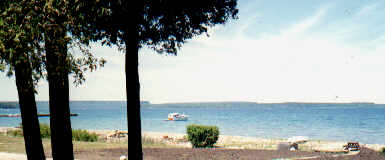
283, 102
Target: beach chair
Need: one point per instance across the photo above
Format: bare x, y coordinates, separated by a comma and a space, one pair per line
352, 146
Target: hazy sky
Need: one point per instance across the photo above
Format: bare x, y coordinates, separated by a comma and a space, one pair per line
277, 51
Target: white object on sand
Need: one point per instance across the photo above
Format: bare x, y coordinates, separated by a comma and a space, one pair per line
123, 157
297, 139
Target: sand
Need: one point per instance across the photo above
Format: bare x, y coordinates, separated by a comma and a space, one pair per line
240, 142
178, 140
227, 141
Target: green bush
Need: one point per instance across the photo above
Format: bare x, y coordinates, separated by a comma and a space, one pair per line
383, 151
202, 136
83, 135
15, 133
45, 132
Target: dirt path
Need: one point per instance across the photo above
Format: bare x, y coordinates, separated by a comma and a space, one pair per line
209, 154
197, 154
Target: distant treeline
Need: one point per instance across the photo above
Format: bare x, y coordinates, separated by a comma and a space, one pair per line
324, 103
207, 104
250, 104
9, 105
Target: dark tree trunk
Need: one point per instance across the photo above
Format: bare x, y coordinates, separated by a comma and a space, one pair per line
29, 118
60, 122
133, 96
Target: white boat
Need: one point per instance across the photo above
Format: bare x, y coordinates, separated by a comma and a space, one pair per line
177, 117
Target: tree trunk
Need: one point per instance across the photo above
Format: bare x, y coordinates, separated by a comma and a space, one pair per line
29, 118
133, 97
60, 122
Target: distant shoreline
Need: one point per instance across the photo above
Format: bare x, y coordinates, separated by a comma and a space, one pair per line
232, 102
212, 102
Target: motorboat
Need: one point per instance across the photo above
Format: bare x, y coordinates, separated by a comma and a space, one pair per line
177, 117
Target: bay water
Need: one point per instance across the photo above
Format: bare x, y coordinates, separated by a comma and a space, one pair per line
363, 122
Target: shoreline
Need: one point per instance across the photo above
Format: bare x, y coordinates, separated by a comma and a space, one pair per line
179, 140
244, 142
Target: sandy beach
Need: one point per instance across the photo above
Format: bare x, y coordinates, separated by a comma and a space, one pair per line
178, 144
225, 141
240, 142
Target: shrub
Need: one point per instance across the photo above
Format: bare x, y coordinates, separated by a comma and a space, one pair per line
202, 136
45, 130
383, 151
16, 133
83, 135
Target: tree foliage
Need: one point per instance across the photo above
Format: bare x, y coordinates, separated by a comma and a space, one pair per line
22, 27
163, 25
19, 37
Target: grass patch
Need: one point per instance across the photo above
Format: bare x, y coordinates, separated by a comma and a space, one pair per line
152, 143
15, 144
15, 133
45, 132
83, 135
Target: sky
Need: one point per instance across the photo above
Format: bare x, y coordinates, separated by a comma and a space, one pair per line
277, 51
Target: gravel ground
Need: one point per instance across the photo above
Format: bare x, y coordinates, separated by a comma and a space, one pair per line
225, 154
211, 154
365, 154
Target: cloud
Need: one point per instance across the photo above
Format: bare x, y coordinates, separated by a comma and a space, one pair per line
367, 9
303, 25
247, 23
273, 68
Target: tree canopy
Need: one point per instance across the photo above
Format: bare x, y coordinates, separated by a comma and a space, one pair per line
22, 27
162, 25
19, 37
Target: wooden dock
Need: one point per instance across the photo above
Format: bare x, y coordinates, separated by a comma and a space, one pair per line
39, 115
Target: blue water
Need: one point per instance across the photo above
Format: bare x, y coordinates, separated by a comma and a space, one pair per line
363, 122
